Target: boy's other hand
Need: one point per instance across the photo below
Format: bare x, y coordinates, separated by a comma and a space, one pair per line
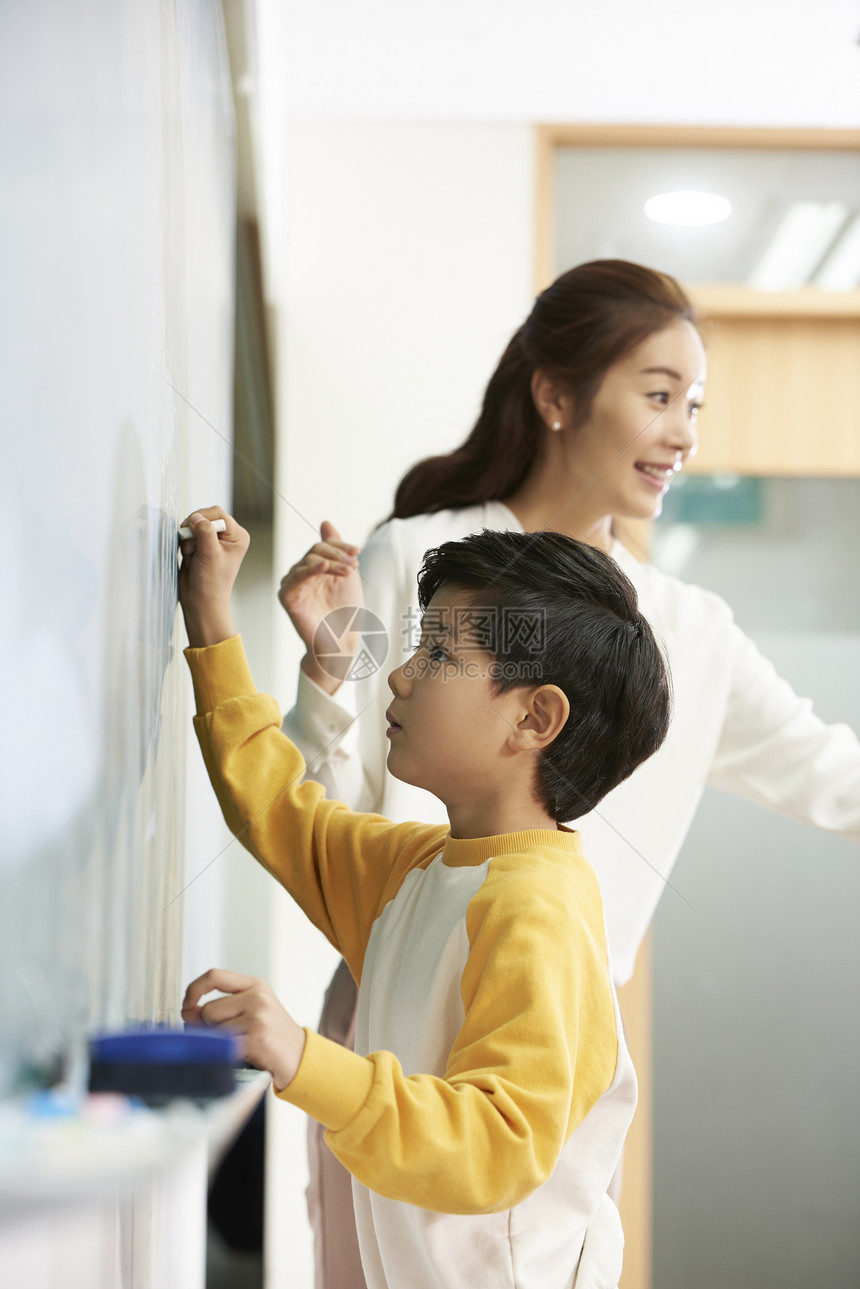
210, 562
325, 578
271, 1039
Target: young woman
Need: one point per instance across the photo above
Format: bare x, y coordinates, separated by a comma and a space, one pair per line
588, 417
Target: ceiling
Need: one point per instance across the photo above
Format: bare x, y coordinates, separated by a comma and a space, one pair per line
778, 62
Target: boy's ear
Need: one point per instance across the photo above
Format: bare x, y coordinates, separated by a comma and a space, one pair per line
546, 711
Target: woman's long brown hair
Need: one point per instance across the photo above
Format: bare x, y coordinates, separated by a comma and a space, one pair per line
588, 319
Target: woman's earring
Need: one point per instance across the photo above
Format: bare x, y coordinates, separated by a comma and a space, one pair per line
556, 425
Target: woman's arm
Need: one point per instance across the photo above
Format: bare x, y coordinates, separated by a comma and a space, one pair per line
342, 734
776, 752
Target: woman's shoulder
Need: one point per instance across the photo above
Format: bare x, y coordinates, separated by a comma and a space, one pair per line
413, 536
670, 602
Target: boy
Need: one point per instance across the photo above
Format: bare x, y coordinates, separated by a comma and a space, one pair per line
483, 1111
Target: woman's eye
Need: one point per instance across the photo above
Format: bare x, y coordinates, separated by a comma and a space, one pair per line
661, 394
695, 409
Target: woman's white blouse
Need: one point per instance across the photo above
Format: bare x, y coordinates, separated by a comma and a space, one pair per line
736, 724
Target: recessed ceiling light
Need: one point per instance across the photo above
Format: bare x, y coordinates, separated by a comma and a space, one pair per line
688, 208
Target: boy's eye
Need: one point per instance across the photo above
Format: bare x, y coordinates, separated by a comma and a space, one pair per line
434, 652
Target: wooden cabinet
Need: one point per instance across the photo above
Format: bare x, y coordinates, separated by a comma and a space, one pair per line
783, 389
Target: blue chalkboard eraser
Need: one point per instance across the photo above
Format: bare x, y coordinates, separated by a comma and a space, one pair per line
157, 1064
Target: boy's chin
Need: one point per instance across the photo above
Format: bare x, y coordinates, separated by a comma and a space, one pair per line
399, 770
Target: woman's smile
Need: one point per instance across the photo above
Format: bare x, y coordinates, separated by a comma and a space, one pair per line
657, 476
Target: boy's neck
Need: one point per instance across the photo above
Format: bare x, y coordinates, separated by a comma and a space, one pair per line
480, 819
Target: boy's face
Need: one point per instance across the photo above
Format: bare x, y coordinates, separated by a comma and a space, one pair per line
446, 727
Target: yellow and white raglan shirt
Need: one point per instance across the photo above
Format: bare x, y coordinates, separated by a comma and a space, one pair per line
483, 1111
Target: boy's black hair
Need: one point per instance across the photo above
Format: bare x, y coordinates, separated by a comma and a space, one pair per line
552, 610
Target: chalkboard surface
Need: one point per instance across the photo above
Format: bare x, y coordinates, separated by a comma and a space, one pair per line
117, 219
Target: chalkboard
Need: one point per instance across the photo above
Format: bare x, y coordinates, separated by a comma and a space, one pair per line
118, 220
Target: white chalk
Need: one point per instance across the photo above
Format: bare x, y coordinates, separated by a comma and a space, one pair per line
218, 524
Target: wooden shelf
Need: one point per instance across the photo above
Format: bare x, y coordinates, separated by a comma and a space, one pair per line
735, 300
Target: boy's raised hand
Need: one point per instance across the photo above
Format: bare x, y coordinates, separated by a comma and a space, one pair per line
324, 579
271, 1039
210, 562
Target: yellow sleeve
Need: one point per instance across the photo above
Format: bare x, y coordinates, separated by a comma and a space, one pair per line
339, 866
537, 1049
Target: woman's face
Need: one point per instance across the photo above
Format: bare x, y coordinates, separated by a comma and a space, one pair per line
641, 427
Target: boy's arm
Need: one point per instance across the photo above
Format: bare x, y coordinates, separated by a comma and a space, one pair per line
336, 864
537, 1049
